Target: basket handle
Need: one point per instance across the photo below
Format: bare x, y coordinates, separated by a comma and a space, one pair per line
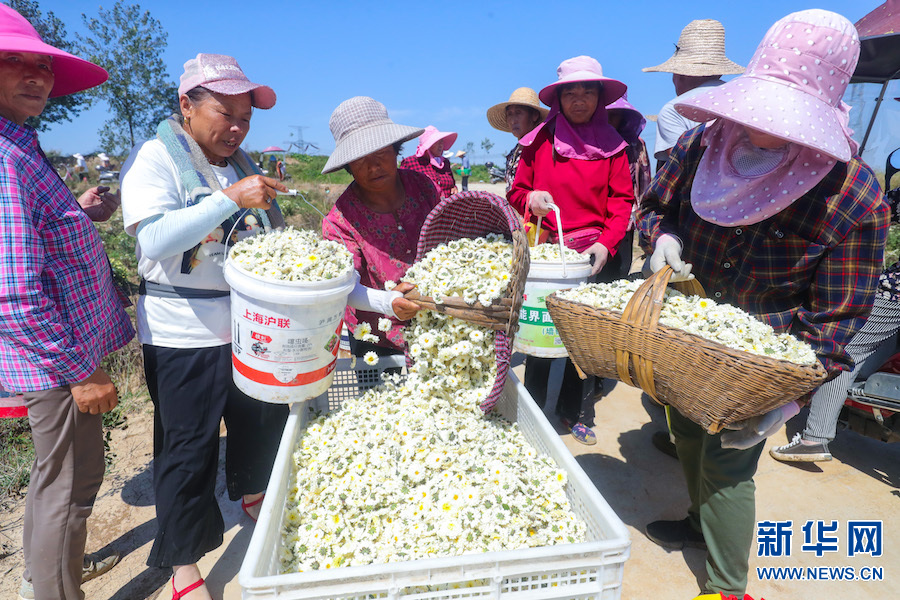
643, 309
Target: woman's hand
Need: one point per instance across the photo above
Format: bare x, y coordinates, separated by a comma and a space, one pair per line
255, 191
98, 204
403, 308
599, 256
539, 203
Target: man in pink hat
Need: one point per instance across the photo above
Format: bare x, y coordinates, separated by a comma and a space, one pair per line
59, 314
778, 215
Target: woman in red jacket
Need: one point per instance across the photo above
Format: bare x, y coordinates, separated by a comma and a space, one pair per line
576, 160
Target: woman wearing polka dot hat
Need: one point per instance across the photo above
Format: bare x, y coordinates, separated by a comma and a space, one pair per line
776, 214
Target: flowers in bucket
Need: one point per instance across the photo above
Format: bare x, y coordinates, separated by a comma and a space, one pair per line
550, 253
292, 255
413, 469
722, 323
477, 269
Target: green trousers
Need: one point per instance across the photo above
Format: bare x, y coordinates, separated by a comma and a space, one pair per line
723, 501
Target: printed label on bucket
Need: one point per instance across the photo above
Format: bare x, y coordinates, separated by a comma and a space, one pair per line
537, 334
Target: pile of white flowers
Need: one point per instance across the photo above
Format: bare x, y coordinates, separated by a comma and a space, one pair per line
413, 469
550, 253
292, 255
722, 323
473, 268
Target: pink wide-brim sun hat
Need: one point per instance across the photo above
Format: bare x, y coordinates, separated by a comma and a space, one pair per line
581, 69
793, 85
71, 74
222, 74
431, 137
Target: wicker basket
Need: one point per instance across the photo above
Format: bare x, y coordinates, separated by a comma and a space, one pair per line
709, 383
469, 215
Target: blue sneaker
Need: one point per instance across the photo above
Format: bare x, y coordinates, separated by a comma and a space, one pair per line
581, 432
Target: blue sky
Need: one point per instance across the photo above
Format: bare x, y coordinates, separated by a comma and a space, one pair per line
430, 63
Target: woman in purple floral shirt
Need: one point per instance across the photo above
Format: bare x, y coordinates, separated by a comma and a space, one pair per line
380, 214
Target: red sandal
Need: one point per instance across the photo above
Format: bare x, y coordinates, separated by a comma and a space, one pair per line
176, 594
246, 505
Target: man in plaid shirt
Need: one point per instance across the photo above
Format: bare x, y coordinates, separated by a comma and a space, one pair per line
779, 216
59, 313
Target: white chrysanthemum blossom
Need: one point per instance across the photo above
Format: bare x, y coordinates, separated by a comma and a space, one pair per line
721, 323
413, 469
550, 253
370, 358
292, 255
384, 324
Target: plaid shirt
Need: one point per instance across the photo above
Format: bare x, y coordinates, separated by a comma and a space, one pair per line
59, 312
442, 178
812, 269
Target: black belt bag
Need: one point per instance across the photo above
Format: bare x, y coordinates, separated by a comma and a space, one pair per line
162, 290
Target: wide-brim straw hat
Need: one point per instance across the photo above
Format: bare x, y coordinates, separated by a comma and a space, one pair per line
523, 96
71, 74
794, 84
581, 69
700, 52
361, 126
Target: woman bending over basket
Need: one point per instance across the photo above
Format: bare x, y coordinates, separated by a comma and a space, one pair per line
576, 160
380, 214
187, 196
779, 216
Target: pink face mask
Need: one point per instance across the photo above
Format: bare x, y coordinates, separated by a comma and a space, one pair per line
737, 183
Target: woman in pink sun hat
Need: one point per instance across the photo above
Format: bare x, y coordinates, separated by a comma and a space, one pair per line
577, 161
429, 159
779, 216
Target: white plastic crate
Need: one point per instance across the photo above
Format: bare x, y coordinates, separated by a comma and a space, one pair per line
589, 570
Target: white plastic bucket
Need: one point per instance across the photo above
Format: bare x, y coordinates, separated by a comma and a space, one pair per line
285, 335
537, 335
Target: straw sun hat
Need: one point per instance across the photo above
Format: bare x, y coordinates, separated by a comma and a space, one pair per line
524, 96
700, 52
361, 126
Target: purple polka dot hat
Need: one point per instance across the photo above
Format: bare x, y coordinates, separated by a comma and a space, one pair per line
792, 89
793, 85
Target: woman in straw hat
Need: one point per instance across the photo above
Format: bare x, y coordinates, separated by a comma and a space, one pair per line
576, 160
431, 159
779, 216
698, 63
380, 214
518, 116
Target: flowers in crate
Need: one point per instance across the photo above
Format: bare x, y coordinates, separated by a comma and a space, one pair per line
292, 255
550, 253
722, 323
413, 469
477, 269
402, 473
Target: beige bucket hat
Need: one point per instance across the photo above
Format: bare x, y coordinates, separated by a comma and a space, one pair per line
700, 52
525, 96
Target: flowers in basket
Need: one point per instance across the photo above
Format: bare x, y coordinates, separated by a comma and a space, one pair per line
550, 253
292, 255
722, 323
413, 469
477, 269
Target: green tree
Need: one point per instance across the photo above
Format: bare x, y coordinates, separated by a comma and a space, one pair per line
486, 145
129, 43
53, 31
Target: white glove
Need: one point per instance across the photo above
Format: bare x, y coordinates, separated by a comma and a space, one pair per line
668, 252
752, 431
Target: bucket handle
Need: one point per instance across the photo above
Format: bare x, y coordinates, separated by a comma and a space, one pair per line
562, 247
300, 195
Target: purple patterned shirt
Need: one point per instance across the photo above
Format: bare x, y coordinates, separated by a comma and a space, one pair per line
383, 245
59, 312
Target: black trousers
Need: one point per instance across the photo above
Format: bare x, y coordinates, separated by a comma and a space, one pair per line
575, 394
192, 390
